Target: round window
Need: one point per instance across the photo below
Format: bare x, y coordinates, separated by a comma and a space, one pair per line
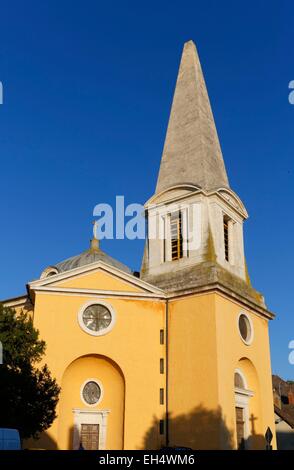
91, 392
245, 328
96, 318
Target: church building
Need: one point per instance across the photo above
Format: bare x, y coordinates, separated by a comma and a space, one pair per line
178, 355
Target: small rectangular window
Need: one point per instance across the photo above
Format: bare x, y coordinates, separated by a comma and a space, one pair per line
162, 366
161, 426
176, 235
226, 238
161, 336
161, 396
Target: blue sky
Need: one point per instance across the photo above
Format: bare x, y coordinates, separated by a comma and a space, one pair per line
87, 93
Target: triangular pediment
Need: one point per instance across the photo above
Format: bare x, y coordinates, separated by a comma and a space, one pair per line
95, 277
98, 279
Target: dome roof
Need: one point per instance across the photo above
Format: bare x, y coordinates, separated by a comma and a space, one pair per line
92, 255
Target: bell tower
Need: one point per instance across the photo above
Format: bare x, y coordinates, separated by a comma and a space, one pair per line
217, 349
195, 220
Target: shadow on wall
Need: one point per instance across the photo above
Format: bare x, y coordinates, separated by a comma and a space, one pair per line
70, 438
45, 442
201, 429
254, 441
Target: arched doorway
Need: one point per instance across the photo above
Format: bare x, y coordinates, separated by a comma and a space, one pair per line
242, 396
247, 397
91, 410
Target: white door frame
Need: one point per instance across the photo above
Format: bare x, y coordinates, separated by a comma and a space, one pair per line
82, 416
242, 401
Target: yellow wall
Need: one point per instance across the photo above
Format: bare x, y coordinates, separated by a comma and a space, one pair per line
193, 388
253, 360
95, 367
23, 308
133, 344
205, 348
98, 280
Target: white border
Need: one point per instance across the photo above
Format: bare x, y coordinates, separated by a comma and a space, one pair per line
242, 401
100, 332
242, 397
48, 272
101, 394
84, 270
251, 328
90, 417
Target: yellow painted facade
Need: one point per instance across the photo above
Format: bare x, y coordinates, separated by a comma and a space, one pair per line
200, 354
214, 343
125, 361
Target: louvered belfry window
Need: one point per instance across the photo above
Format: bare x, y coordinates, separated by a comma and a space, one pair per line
226, 238
176, 235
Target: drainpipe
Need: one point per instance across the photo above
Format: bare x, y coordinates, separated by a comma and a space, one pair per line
166, 376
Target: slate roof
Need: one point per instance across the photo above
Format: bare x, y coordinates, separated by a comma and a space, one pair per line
92, 255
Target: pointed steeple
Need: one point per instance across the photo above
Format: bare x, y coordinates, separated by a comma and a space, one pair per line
192, 152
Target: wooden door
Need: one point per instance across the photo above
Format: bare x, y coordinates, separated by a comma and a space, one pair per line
90, 436
240, 425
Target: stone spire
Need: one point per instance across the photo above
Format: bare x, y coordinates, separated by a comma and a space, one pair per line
192, 152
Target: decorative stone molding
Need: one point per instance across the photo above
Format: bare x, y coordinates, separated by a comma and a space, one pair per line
90, 417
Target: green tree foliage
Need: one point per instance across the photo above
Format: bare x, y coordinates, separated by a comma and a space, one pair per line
28, 395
